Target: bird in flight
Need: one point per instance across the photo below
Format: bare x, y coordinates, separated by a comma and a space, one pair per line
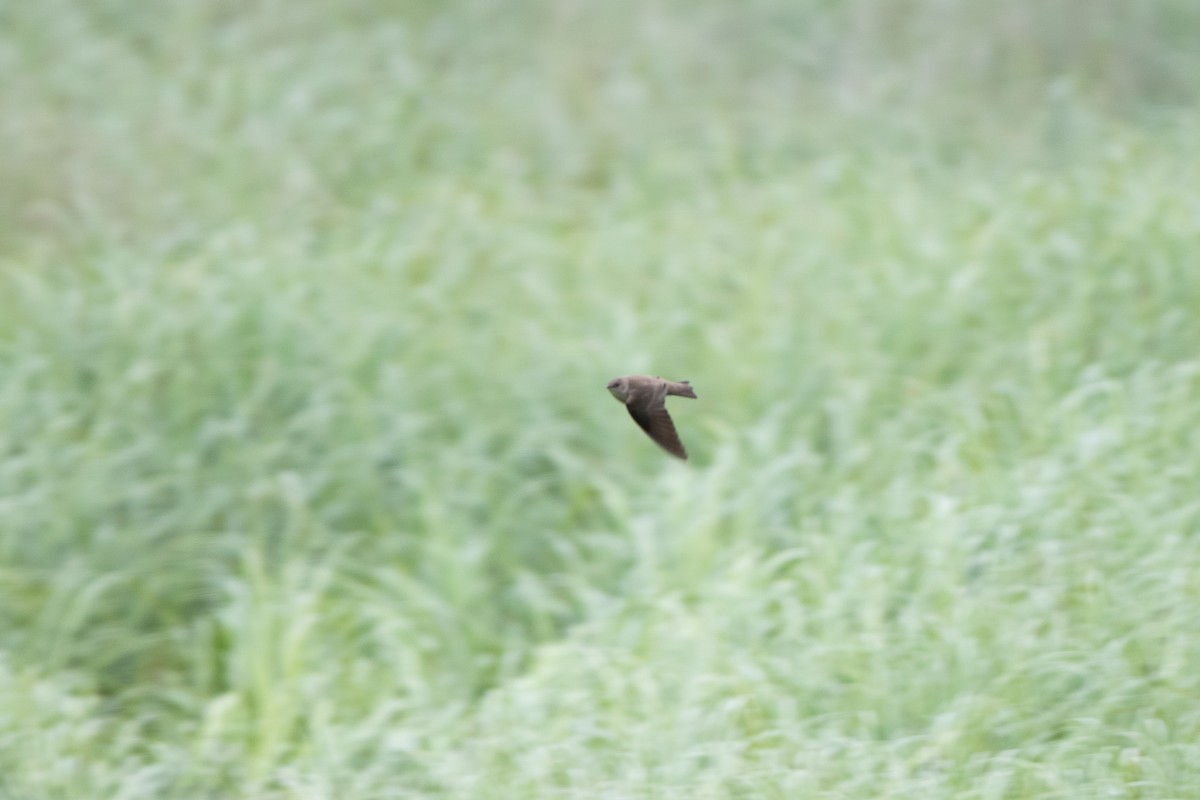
646, 399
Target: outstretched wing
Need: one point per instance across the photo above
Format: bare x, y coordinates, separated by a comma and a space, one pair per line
648, 408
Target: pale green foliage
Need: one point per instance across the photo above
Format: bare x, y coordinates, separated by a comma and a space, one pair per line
310, 486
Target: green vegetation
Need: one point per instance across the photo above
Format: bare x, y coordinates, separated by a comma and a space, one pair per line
310, 486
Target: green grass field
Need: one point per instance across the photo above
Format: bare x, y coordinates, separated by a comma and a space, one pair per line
310, 486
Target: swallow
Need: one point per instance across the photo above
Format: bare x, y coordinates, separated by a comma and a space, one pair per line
646, 399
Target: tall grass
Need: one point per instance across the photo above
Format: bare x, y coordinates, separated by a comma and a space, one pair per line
310, 487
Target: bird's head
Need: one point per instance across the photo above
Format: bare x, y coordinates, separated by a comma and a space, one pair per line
618, 388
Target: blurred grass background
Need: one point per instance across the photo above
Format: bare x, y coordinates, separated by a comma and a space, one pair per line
310, 487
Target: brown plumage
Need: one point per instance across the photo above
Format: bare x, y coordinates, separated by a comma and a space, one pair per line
646, 399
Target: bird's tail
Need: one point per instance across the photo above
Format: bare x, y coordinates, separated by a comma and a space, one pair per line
681, 389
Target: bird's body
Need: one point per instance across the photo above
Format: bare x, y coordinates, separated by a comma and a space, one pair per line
645, 397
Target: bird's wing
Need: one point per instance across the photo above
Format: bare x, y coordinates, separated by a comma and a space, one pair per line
648, 408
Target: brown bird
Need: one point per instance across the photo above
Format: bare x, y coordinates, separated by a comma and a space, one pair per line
646, 399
